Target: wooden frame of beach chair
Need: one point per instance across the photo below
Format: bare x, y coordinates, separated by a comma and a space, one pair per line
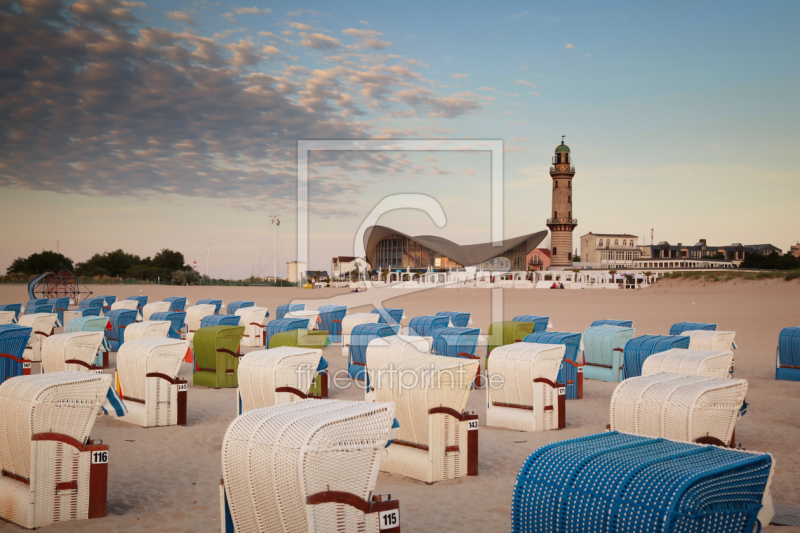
316, 465
603, 352
52, 470
787, 355
525, 394
312, 340
176, 303
13, 340
119, 319
384, 350
254, 320
613, 481
638, 349
216, 356
360, 338
194, 316
211, 301
155, 307
680, 327
330, 319
508, 332
72, 352
457, 319
147, 329
149, 383
281, 310
93, 323
351, 321
709, 363
17, 308
464, 343
571, 372
176, 320
42, 325
424, 326
7, 317
276, 376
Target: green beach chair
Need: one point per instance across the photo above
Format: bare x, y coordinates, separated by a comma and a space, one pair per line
303, 338
216, 356
508, 332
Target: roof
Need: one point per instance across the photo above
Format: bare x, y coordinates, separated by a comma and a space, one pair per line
465, 255
610, 234
345, 258
562, 147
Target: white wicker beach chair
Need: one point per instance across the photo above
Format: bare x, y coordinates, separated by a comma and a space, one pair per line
679, 407
154, 307
437, 439
43, 325
312, 316
526, 394
149, 382
710, 363
351, 321
52, 472
307, 467
395, 348
70, 314
276, 376
711, 340
254, 320
7, 317
194, 315
73, 352
125, 304
147, 329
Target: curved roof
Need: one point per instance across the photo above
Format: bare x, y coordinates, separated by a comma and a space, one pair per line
466, 255
562, 147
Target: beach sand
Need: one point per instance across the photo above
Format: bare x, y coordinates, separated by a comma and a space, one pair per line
167, 479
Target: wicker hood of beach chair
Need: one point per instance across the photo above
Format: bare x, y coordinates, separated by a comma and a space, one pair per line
424, 326
603, 351
680, 327
787, 356
128, 305
108, 301
351, 321
147, 329
7, 317
211, 301
571, 373
79, 312
177, 303
281, 311
13, 340
235, 306
709, 363
540, 321
276, 376
360, 338
314, 464
254, 320
610, 322
17, 308
219, 320
73, 352
52, 471
711, 340
385, 350
638, 349
280, 325
94, 323
194, 316
43, 325
155, 307
616, 482
176, 320
59, 306
508, 332
149, 383
141, 301
216, 356
31, 305
457, 319
330, 319
120, 319
300, 338
389, 316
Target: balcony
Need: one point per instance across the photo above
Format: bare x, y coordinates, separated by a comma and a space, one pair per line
562, 221
571, 170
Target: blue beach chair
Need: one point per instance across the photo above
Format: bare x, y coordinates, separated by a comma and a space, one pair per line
459, 320
280, 325
141, 301
680, 327
788, 355
176, 320
359, 339
539, 321
458, 342
13, 339
107, 301
389, 316
603, 349
177, 303
219, 320
640, 348
95, 302
571, 372
330, 317
119, 319
618, 323
17, 308
59, 306
424, 326
93, 323
235, 306
38, 305
211, 301
281, 311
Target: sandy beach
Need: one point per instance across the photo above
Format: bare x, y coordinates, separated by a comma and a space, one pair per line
167, 479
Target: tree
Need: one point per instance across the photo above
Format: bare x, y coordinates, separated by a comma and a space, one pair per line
719, 256
576, 259
185, 277
116, 263
39, 263
771, 261
354, 275
613, 274
168, 259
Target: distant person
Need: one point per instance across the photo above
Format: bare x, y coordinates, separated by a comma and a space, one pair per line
554, 286
562, 286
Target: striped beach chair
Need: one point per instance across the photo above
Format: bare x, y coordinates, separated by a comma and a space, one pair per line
360, 338
284, 324
351, 321
119, 319
176, 303
787, 356
141, 301
603, 349
466, 343
13, 340
458, 320
176, 320
59, 306
254, 320
638, 349
509, 332
276, 376
219, 320
42, 325
94, 324
709, 363
235, 306
126, 305
711, 340
37, 306
211, 301
680, 327
155, 307
72, 352
309, 340
541, 321
571, 373
390, 349
194, 316
147, 329
216, 356
389, 316
424, 326
281, 311
615, 482
17, 308
331, 317
95, 302
618, 323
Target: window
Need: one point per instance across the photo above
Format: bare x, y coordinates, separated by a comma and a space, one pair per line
555, 214
555, 186
569, 256
616, 242
569, 214
624, 242
569, 184
600, 243
569, 198
554, 250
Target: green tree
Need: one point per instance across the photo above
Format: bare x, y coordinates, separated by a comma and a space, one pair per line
771, 261
116, 263
168, 259
39, 263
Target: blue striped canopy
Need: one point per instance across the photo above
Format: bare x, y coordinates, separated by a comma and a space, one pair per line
619, 323
459, 320
120, 319
39, 308
12, 307
330, 317
279, 325
107, 301
601, 345
680, 327
96, 302
425, 325
176, 319
788, 354
13, 339
219, 320
568, 374
640, 348
539, 321
141, 301
389, 316
359, 339
453, 341
210, 301
615, 482
87, 323
176, 303
281, 311
235, 306
59, 306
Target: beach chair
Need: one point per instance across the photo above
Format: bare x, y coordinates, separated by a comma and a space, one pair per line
95, 324
389, 316
386, 350
467, 343
603, 349
177, 303
615, 482
216, 356
281, 311
330, 319
530, 397
638, 349
17, 308
176, 320
618, 323
155, 307
42, 325
13, 339
313, 340
235, 306
125, 305
194, 316
219, 320
210, 301
424, 326
709, 363
680, 327
509, 332
141, 301
95, 303
311, 316
360, 338
680, 407
276, 376
38, 307
315, 466
711, 340
147, 329
571, 372
52, 470
787, 355
541, 321
7, 317
79, 312
437, 439
351, 321
73, 352
458, 320
284, 324
149, 383
119, 320
108, 301
59, 306
254, 320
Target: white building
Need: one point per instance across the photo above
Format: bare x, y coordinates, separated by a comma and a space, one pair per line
609, 250
342, 266
295, 271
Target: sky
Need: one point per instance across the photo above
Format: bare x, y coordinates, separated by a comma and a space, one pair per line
144, 125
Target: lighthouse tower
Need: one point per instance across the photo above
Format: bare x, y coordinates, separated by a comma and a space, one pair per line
562, 222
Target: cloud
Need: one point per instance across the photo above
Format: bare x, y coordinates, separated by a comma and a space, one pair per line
320, 41
570, 46
252, 11
368, 38
364, 22
486, 89
587, 55
523, 82
299, 26
512, 18
459, 76
535, 93
140, 5
181, 16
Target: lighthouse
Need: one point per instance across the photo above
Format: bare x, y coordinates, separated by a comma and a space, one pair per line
562, 222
